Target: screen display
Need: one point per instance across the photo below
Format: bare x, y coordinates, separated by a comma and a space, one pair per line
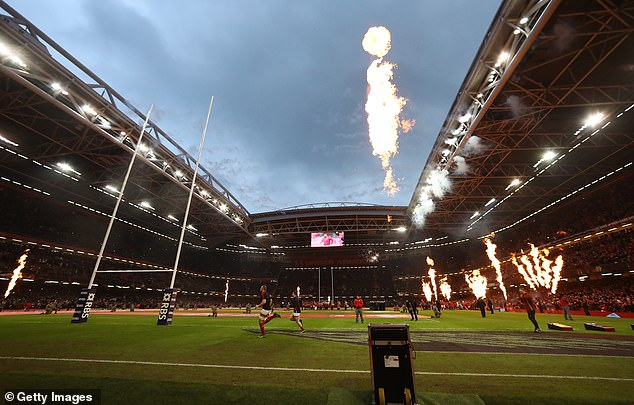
326, 239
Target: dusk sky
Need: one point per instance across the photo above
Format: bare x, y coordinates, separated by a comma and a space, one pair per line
289, 80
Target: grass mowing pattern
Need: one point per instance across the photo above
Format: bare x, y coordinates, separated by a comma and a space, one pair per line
231, 341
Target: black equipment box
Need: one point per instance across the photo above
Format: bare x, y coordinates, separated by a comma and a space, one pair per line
391, 358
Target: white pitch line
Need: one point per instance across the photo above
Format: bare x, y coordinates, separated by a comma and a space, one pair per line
312, 370
523, 354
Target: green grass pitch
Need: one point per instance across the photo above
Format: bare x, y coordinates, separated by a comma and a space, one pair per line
184, 362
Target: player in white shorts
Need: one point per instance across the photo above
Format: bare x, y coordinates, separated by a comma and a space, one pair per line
266, 313
297, 311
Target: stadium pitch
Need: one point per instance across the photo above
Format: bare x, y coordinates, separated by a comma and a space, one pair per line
461, 359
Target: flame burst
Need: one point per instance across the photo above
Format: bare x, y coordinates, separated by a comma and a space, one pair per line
383, 105
226, 290
17, 272
445, 288
496, 264
432, 275
427, 291
477, 283
538, 270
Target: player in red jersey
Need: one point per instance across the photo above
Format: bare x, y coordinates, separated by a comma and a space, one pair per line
527, 300
296, 302
266, 313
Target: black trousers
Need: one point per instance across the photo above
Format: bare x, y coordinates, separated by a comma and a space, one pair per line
531, 316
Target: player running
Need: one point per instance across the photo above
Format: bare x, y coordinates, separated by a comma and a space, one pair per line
527, 300
266, 313
297, 310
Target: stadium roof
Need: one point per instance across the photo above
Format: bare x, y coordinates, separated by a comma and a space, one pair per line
519, 135
543, 69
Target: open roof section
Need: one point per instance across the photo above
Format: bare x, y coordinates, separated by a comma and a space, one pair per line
58, 111
544, 68
565, 61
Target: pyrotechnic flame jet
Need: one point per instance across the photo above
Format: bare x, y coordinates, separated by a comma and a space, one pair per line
523, 272
445, 288
540, 271
427, 291
383, 105
17, 272
559, 264
226, 290
542, 278
432, 275
496, 264
477, 283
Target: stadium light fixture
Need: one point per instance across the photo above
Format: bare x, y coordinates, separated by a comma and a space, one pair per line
8, 54
6, 140
65, 167
546, 157
491, 201
523, 20
57, 88
475, 214
549, 155
594, 119
223, 207
191, 227
146, 204
502, 59
112, 188
514, 183
261, 234
401, 229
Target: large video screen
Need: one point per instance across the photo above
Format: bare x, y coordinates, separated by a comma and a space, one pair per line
326, 239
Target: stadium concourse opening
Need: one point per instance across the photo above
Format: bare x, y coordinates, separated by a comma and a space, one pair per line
512, 264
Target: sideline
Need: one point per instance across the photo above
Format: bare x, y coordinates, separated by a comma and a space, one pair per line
312, 370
